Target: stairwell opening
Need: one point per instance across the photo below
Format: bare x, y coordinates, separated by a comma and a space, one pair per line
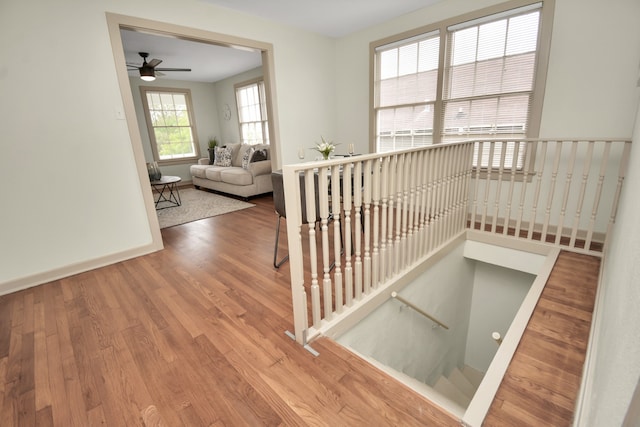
476, 289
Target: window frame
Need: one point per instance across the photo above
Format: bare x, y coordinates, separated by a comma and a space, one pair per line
264, 116
144, 90
542, 59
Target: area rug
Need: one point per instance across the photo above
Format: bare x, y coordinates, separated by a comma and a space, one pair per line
198, 204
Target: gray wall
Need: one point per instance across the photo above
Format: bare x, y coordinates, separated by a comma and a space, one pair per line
402, 339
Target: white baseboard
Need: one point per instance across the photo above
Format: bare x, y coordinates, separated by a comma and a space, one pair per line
70, 270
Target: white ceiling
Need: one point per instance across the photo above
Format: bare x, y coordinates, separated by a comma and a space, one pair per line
210, 63
333, 18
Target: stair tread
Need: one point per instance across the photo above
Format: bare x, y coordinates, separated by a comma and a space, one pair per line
473, 375
462, 383
449, 390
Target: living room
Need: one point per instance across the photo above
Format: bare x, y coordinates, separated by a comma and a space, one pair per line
96, 206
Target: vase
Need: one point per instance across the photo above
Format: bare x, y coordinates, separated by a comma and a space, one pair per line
154, 171
326, 156
212, 155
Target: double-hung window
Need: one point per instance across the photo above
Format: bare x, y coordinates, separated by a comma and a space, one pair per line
475, 76
172, 130
252, 112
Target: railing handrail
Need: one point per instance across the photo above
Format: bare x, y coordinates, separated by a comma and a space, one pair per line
418, 309
396, 209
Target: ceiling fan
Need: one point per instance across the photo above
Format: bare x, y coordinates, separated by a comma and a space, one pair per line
149, 70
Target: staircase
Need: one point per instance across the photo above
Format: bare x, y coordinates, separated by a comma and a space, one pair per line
460, 385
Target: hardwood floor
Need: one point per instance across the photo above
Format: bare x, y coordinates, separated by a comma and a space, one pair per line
194, 335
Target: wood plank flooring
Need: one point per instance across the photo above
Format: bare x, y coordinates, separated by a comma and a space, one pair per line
194, 336
542, 382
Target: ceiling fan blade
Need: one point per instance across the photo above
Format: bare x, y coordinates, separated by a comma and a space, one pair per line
154, 62
159, 74
173, 69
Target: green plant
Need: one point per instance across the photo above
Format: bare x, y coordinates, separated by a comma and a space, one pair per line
213, 142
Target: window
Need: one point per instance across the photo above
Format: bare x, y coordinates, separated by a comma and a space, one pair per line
475, 76
170, 122
252, 112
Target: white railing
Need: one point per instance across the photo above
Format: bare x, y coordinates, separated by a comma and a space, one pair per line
373, 218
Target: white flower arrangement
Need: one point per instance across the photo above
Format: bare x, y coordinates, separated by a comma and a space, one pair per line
325, 148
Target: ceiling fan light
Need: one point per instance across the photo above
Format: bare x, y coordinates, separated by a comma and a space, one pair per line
147, 74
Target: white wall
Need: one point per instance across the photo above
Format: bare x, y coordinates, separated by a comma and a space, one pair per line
203, 99
71, 193
616, 367
402, 339
498, 293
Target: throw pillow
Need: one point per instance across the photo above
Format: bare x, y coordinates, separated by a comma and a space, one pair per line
223, 156
246, 156
258, 156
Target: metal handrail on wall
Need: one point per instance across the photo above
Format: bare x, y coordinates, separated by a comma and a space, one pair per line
418, 309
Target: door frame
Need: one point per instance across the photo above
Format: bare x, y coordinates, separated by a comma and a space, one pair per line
115, 23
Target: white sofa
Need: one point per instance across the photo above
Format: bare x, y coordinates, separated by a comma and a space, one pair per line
241, 181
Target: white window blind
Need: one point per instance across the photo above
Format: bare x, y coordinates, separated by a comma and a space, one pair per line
405, 91
489, 77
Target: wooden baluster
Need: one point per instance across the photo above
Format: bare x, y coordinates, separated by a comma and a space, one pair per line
393, 160
375, 257
543, 160
598, 193
440, 171
424, 212
530, 148
337, 233
357, 207
468, 168
426, 246
448, 188
433, 227
453, 193
323, 188
487, 184
404, 189
552, 189
410, 255
461, 196
346, 201
567, 189
419, 213
477, 158
496, 210
622, 171
512, 183
444, 193
583, 187
310, 192
384, 180
397, 248
367, 226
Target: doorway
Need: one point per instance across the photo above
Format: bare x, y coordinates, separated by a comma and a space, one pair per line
117, 24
